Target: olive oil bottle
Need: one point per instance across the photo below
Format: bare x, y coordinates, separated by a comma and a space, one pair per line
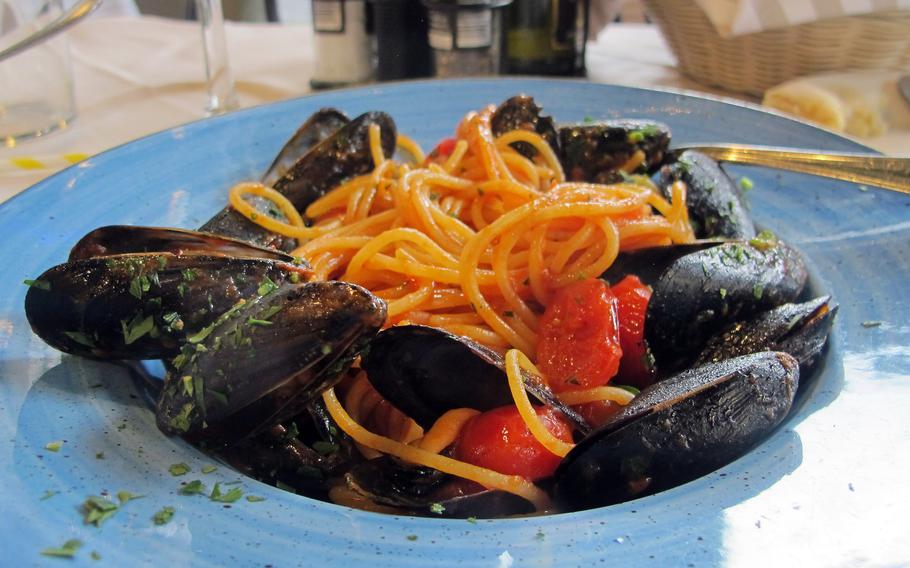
546, 37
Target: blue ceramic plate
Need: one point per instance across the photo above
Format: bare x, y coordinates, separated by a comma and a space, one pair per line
828, 488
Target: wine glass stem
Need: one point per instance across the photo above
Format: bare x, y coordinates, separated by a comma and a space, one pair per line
219, 79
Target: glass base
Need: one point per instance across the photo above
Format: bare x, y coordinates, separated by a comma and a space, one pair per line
20, 122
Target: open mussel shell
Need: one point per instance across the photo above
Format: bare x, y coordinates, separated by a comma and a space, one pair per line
141, 305
596, 152
122, 239
319, 126
522, 113
343, 155
425, 371
295, 341
700, 293
678, 430
426, 491
716, 205
798, 329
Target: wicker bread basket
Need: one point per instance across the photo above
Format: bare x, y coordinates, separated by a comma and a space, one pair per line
752, 63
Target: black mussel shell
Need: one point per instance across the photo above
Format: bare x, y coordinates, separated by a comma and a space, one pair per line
319, 126
425, 371
268, 357
701, 293
798, 329
426, 491
597, 152
678, 430
141, 305
522, 113
344, 154
716, 204
123, 239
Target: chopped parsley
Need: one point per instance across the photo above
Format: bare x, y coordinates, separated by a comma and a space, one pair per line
48, 494
746, 184
723, 293
68, 550
254, 498
97, 510
179, 469
208, 469
266, 287
126, 496
40, 284
472, 520
137, 328
411, 537
163, 516
182, 421
253, 321
80, 338
325, 448
758, 291
437, 508
99, 455
194, 487
140, 285
188, 274
229, 497
54, 446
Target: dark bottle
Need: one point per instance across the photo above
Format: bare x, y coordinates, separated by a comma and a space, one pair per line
402, 50
546, 37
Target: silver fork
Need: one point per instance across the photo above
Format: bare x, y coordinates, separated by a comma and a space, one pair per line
881, 171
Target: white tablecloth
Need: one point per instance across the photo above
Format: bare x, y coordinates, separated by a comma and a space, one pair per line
138, 75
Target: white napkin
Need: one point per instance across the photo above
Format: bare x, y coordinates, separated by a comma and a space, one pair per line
740, 17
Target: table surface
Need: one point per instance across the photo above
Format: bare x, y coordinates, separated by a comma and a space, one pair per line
139, 75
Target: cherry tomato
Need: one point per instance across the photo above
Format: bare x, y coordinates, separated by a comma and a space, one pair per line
636, 367
579, 337
596, 413
442, 150
500, 440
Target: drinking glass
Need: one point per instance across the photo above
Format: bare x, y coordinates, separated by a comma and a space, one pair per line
36, 85
218, 76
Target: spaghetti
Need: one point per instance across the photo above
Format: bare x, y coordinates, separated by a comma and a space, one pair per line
475, 242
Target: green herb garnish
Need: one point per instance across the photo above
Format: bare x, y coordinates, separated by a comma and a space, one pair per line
437, 508
126, 496
163, 516
208, 469
746, 184
267, 287
472, 520
97, 510
68, 550
229, 497
40, 284
136, 328
188, 274
179, 469
194, 487
254, 498
48, 494
325, 448
411, 537
758, 291
54, 446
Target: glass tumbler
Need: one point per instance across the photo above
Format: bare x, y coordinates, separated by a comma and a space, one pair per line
36, 85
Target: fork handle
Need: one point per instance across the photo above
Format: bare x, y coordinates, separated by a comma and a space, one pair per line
882, 171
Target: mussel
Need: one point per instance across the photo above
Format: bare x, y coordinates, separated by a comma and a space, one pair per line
679, 429
716, 204
700, 288
343, 154
294, 338
602, 152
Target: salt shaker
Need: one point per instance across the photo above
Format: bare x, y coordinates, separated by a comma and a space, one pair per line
466, 36
343, 46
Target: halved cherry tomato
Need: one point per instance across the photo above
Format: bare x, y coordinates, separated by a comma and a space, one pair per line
442, 150
579, 337
500, 440
636, 367
596, 413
